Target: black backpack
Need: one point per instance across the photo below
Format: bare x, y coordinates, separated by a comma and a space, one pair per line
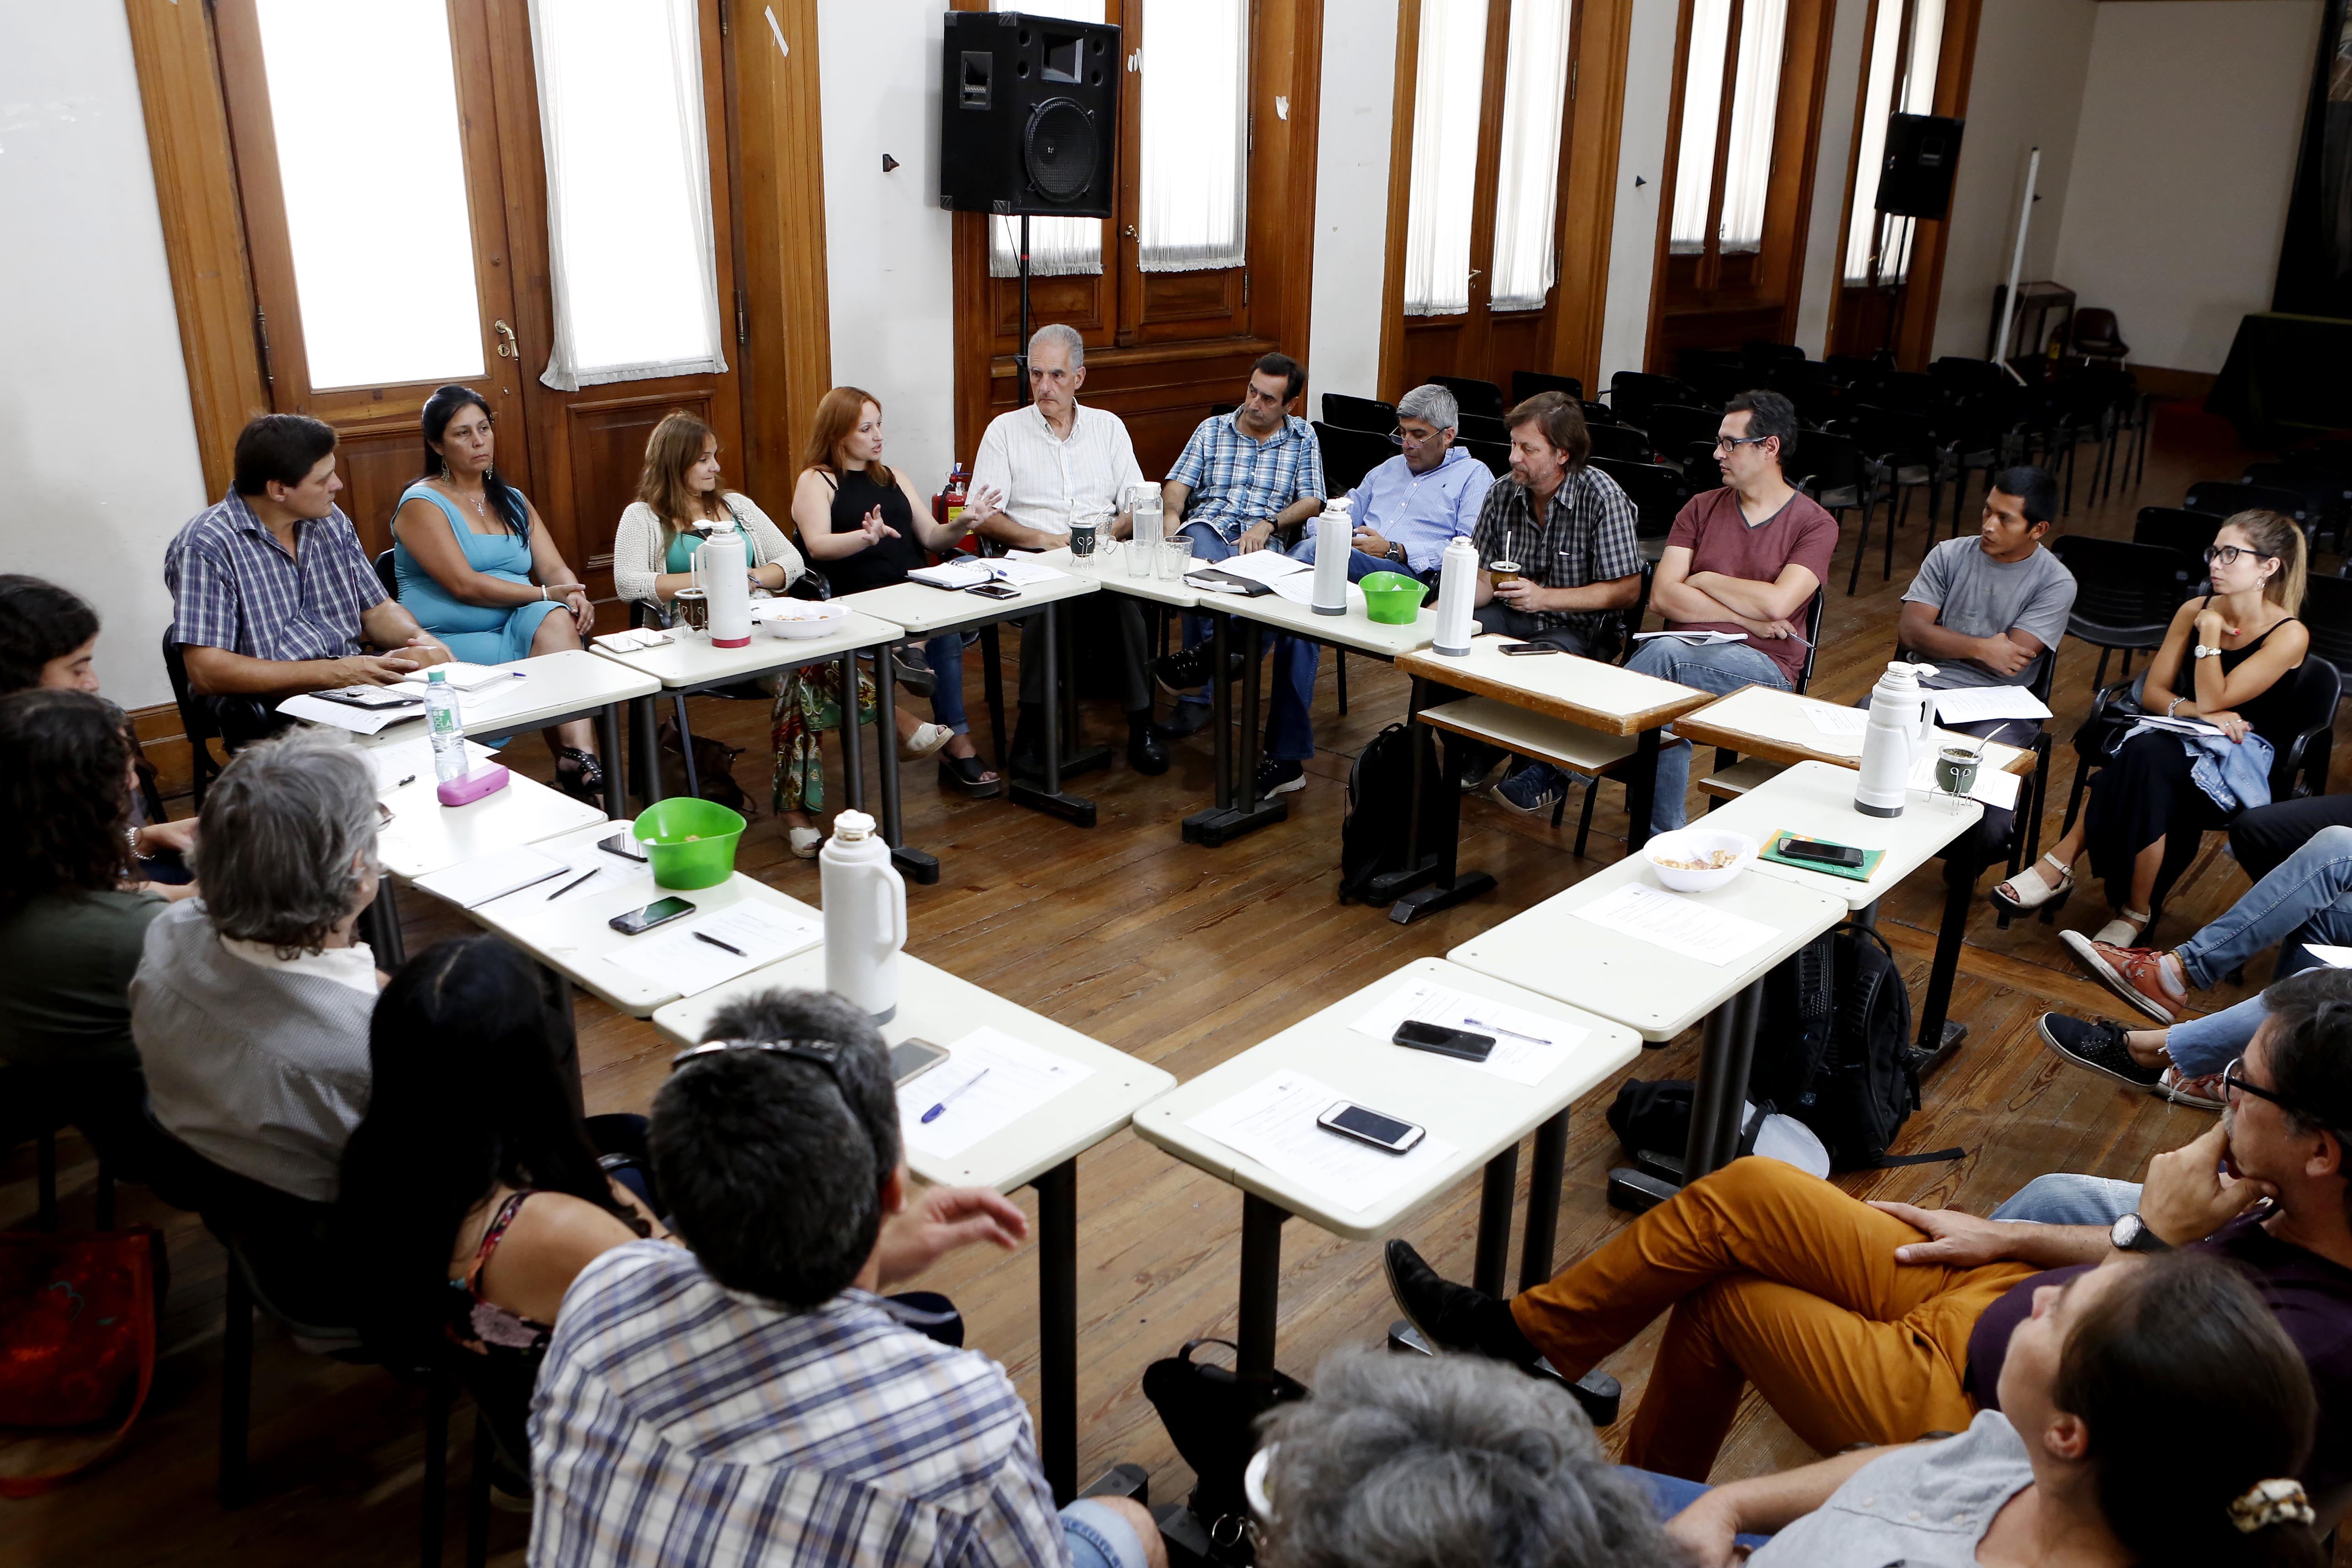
1833, 1047
1379, 808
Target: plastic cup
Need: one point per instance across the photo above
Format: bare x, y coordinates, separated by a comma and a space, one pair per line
689, 842
1175, 558
1139, 554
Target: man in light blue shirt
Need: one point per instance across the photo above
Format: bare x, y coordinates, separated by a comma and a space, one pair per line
1409, 507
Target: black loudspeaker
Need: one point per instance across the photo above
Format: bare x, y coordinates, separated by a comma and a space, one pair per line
1922, 151
1028, 115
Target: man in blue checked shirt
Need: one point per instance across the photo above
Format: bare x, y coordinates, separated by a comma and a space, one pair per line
1245, 475
749, 1397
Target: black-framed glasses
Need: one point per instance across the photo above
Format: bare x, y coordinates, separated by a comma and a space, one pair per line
1732, 442
2230, 555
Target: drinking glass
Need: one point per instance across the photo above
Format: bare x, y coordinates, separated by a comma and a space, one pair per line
1175, 558
1956, 774
1141, 555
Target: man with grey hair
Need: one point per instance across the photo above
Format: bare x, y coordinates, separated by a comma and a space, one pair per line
1040, 468
250, 1006
1408, 1461
1412, 506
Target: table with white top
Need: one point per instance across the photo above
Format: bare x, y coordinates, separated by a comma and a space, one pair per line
1238, 809
925, 612
1586, 714
1482, 1115
1112, 572
1041, 1148
1766, 722
1657, 992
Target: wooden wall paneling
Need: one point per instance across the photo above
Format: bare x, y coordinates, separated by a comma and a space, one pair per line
1393, 325
603, 446
172, 50
1289, 62
1588, 192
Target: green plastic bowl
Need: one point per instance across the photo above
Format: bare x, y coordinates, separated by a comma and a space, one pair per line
1391, 598
690, 843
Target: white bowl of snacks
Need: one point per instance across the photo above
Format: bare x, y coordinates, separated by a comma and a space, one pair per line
802, 617
1699, 860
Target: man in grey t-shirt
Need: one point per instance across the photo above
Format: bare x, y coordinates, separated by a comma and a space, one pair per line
1986, 612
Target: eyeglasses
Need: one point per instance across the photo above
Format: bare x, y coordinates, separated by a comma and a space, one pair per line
2230, 555
384, 815
1732, 442
1404, 437
822, 1053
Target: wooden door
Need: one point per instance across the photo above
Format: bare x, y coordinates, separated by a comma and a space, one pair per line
1464, 345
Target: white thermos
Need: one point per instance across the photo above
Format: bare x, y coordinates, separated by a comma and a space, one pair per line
864, 901
722, 572
1902, 721
1457, 585
1335, 539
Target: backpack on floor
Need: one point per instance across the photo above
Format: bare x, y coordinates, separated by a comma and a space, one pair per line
1833, 1047
1211, 1418
1379, 808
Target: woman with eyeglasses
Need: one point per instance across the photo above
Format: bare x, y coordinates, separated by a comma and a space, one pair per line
2227, 659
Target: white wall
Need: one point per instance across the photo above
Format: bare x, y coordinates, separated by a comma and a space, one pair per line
1841, 95
2026, 90
1351, 197
2183, 164
97, 438
1641, 156
887, 238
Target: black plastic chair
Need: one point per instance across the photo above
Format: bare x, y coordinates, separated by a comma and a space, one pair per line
1676, 429
1900, 454
1657, 491
1358, 413
196, 724
1525, 384
1349, 454
1483, 427
1959, 375
1475, 396
2326, 494
1619, 443
1763, 355
2328, 615
387, 574
1634, 393
2177, 527
1600, 413
1831, 469
2125, 594
1497, 459
2226, 498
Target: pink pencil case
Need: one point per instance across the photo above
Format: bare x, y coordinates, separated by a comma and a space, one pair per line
472, 785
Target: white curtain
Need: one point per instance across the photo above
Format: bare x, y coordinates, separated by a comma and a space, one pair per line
1058, 247
1449, 78
1916, 96
1193, 209
1755, 108
633, 267
1535, 95
1702, 113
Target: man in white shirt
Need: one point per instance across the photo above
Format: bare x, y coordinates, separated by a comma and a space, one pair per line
1039, 468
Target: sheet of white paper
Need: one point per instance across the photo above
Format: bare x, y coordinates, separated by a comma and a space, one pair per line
1993, 787
464, 677
343, 715
1266, 566
1696, 639
1527, 1046
1009, 1078
2333, 957
1300, 589
2177, 725
1022, 570
398, 760
1832, 720
1679, 925
1978, 705
471, 884
675, 958
1272, 1122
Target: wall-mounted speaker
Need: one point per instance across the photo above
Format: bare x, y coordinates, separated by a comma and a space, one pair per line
1922, 151
1028, 114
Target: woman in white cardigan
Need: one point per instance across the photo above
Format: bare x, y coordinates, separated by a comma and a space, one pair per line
679, 503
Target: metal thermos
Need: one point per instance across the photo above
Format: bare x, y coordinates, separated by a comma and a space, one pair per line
1457, 586
864, 901
1902, 721
1335, 536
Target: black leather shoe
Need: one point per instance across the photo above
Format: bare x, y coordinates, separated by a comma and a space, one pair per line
1190, 718
1144, 752
1188, 670
1452, 1316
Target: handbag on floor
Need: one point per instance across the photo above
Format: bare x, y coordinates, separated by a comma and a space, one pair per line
714, 770
1211, 1418
77, 1344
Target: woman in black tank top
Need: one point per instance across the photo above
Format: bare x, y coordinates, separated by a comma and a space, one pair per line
2146, 812
866, 527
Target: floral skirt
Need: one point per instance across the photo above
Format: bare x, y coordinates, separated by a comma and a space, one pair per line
808, 700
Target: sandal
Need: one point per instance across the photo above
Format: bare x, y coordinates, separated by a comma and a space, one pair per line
965, 773
926, 739
2030, 890
913, 672
2124, 930
580, 775
805, 842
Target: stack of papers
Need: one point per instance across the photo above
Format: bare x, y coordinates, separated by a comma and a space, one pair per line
677, 958
472, 883
989, 1081
1978, 705
2177, 725
1696, 639
1677, 923
1267, 566
1019, 570
342, 716
1272, 1122
402, 762
464, 677
637, 639
1527, 1046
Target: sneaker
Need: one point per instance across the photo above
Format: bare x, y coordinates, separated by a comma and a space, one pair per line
1185, 719
2205, 1092
1476, 760
2098, 1046
2134, 974
1531, 786
1182, 673
1451, 1316
1280, 778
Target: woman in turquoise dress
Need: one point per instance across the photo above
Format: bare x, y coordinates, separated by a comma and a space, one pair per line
477, 569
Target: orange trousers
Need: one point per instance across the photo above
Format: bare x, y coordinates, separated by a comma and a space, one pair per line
1775, 1278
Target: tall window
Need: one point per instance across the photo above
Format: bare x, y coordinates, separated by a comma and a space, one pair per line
1906, 49
1740, 142
1191, 214
1449, 79
1526, 186
633, 258
1058, 247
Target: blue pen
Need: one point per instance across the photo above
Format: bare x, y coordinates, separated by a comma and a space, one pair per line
949, 1098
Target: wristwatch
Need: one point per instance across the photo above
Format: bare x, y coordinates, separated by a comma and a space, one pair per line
2131, 1234
1396, 551
2205, 653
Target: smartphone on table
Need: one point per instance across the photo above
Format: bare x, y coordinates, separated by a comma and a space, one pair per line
1350, 1120
1825, 854
1520, 649
637, 921
1437, 1039
623, 845
910, 1059
994, 590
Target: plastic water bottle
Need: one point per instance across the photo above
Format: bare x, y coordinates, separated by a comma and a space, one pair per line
448, 729
864, 901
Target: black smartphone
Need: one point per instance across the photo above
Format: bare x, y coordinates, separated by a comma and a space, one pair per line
1442, 1041
994, 590
623, 845
373, 699
910, 1059
1518, 648
1353, 1121
637, 921
1827, 854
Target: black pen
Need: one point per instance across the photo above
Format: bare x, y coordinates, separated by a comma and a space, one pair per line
404, 783
715, 942
568, 886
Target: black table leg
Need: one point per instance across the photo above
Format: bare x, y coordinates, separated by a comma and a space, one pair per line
1543, 1180
1069, 808
1261, 1286
853, 762
1426, 888
644, 748
1076, 756
1493, 1257
1725, 1047
992, 664
1057, 1328
685, 749
1238, 809
917, 865
616, 777
1939, 1036
1641, 790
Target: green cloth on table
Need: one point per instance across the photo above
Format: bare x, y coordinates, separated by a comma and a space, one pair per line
1771, 852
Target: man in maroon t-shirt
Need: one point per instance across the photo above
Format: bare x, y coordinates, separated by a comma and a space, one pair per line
1745, 561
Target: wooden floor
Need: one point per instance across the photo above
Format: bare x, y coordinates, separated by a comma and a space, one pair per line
1182, 956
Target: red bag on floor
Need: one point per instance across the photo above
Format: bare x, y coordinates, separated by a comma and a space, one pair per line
76, 1337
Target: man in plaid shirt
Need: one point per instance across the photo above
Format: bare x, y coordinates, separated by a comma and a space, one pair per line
750, 1398
1569, 530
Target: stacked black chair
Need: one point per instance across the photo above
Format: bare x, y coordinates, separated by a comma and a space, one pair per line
1349, 454
2177, 527
2327, 493
1658, 494
1900, 454
1497, 456
1475, 396
1634, 393
2327, 614
1358, 413
1621, 441
1959, 376
1762, 356
1525, 384
1483, 427
2226, 498
1599, 413
1680, 431
2125, 594
1830, 468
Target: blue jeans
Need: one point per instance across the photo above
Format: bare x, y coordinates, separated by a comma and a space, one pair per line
1099, 1538
1721, 668
1672, 1494
945, 655
1289, 731
2205, 1045
2307, 898
2061, 1198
